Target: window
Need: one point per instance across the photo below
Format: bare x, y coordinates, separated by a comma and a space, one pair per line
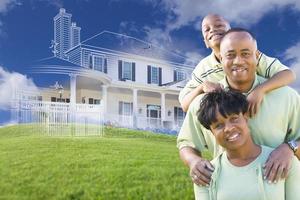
94, 101
125, 108
60, 100
98, 63
179, 76
153, 111
54, 99
127, 70
178, 114
154, 75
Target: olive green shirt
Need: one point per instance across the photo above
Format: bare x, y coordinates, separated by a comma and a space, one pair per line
246, 183
279, 112
209, 69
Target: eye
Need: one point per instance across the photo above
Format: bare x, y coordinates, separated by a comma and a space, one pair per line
246, 54
234, 118
219, 26
230, 55
218, 126
205, 29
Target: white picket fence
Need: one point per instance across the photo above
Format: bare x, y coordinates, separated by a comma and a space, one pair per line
60, 119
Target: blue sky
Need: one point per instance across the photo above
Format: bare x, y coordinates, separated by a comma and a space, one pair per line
26, 29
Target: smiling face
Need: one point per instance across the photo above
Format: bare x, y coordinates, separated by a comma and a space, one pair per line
213, 29
239, 57
232, 131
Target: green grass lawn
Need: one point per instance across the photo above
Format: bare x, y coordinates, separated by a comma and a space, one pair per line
123, 164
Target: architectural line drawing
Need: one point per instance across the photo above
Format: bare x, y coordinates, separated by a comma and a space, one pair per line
135, 82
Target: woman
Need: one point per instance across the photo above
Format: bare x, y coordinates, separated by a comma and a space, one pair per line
238, 170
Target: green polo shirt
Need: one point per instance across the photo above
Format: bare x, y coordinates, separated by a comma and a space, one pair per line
247, 183
279, 112
209, 69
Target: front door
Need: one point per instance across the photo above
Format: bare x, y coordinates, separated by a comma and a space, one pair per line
153, 115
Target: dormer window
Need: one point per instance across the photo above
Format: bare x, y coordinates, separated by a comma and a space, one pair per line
98, 63
179, 75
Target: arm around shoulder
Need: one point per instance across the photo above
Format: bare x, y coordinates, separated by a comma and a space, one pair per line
189, 97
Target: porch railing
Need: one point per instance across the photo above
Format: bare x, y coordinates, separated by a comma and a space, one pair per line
130, 121
60, 119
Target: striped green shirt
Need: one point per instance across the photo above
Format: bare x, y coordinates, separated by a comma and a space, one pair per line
209, 69
279, 112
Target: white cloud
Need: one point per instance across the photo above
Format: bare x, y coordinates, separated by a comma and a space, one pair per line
192, 11
293, 55
6, 4
11, 82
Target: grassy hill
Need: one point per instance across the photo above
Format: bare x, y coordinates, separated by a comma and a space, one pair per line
123, 164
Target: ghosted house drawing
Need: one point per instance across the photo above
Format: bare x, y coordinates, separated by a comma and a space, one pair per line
136, 83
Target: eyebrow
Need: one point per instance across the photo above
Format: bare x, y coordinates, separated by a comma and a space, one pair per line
231, 51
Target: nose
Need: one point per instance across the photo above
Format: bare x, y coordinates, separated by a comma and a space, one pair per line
228, 127
238, 60
212, 29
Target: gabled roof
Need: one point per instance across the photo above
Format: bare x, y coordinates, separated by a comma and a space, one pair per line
127, 44
53, 61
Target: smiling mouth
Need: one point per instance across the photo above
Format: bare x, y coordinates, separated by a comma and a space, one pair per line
233, 137
240, 69
215, 36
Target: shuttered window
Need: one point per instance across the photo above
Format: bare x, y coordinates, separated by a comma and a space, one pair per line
154, 75
126, 70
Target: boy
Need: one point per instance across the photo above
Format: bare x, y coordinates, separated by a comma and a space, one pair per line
209, 71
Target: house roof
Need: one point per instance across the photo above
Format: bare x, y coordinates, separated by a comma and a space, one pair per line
53, 65
127, 44
53, 61
177, 84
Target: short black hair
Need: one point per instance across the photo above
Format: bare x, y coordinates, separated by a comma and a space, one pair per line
224, 102
238, 29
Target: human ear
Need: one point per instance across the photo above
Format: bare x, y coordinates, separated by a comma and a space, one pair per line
257, 54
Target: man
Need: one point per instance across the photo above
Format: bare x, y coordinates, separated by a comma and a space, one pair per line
277, 121
209, 71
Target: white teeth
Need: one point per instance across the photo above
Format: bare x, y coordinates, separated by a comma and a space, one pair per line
233, 137
239, 69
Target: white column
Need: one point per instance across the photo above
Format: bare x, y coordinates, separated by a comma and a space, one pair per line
135, 110
135, 101
163, 106
104, 98
73, 89
73, 100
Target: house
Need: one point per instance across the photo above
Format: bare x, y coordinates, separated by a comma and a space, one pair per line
136, 83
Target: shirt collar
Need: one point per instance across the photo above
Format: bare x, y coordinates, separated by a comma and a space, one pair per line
257, 80
214, 61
